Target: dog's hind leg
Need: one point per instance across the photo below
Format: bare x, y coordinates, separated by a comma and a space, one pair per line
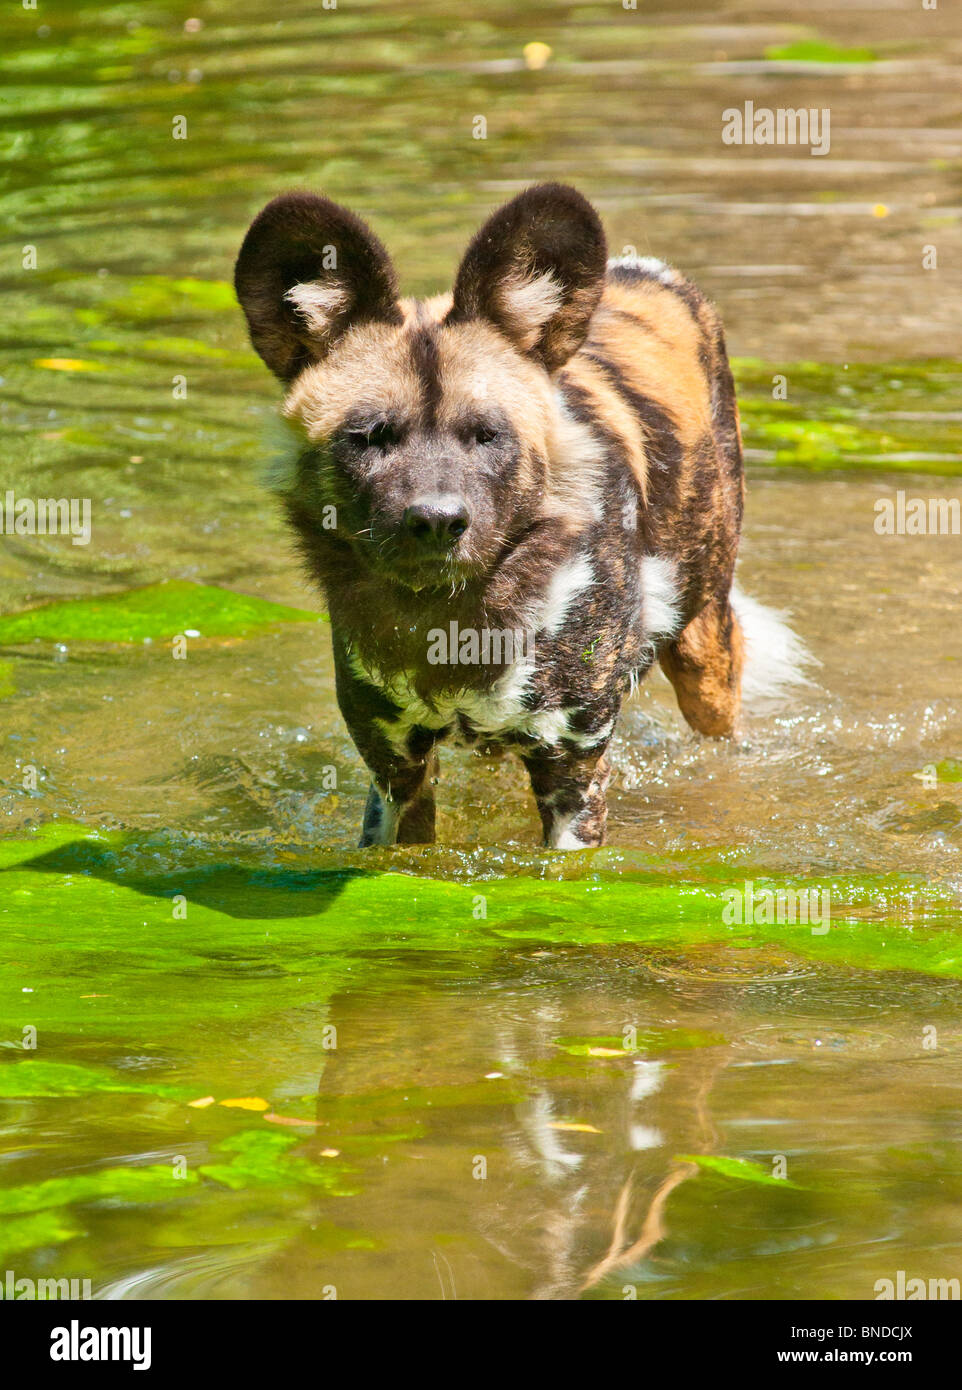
704, 664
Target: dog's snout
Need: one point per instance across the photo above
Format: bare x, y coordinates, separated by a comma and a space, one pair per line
437, 521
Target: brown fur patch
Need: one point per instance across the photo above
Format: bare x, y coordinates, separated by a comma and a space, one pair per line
612, 413
704, 664
370, 366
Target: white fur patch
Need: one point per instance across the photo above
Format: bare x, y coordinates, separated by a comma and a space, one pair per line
775, 657
661, 618
591, 740
549, 725
650, 264
491, 713
563, 835
580, 457
567, 581
499, 710
318, 304
528, 302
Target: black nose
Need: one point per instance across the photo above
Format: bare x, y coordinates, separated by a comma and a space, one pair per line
438, 521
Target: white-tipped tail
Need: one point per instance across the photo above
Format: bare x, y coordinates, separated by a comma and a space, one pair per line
776, 659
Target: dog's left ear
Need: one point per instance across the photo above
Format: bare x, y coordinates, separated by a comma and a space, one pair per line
536, 271
307, 272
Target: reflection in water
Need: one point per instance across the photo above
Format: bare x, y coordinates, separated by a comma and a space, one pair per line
583, 1190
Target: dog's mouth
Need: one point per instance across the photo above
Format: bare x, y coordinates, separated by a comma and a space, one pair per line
445, 574
441, 571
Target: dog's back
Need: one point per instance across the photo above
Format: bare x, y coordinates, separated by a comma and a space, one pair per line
654, 365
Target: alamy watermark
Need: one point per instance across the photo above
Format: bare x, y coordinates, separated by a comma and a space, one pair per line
918, 516
760, 125
23, 1288
469, 646
778, 906
76, 1343
46, 516
902, 1287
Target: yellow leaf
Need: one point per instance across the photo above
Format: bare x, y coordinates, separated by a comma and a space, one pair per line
575, 1129
202, 1103
607, 1052
880, 210
69, 364
536, 55
330, 1153
246, 1103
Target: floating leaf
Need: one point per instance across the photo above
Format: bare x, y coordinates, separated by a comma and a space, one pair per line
647, 1040
948, 770
246, 1103
738, 1168
818, 51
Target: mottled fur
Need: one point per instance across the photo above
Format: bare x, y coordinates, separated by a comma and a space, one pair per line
554, 447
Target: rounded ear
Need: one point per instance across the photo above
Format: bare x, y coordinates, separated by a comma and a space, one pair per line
536, 271
307, 270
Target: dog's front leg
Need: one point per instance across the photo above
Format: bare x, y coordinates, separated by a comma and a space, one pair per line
400, 804
402, 761
570, 791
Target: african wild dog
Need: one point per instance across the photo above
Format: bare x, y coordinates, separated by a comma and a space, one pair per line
553, 448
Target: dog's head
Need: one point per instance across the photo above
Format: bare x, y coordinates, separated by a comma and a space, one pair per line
429, 426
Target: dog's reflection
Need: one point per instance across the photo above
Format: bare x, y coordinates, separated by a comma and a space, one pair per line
562, 1163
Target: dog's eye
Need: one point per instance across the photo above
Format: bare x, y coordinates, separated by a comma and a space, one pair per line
383, 435
485, 434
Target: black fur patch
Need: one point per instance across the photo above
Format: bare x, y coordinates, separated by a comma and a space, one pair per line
427, 365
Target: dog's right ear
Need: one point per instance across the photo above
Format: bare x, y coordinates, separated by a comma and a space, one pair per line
307, 271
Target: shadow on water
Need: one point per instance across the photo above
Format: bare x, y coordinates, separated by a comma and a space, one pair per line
240, 891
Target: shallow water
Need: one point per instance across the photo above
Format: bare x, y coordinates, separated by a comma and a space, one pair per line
184, 914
